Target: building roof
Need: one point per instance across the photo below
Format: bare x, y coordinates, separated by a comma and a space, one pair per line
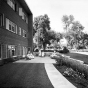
25, 6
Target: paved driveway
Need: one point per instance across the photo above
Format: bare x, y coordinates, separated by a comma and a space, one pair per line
25, 74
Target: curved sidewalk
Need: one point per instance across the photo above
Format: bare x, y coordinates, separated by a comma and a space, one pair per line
56, 78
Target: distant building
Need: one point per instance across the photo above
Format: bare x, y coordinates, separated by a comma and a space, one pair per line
15, 28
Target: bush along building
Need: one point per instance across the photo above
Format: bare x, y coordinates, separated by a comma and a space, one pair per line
15, 28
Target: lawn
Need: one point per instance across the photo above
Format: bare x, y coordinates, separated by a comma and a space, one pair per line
78, 57
75, 76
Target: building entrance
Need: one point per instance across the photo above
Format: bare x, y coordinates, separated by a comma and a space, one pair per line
11, 50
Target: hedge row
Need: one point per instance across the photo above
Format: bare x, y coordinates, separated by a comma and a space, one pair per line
77, 65
8, 60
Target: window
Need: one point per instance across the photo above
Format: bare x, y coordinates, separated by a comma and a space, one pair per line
11, 50
23, 15
24, 34
11, 26
0, 50
25, 18
16, 7
20, 11
7, 23
16, 28
11, 3
1, 19
19, 31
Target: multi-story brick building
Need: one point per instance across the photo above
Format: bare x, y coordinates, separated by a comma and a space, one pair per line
15, 28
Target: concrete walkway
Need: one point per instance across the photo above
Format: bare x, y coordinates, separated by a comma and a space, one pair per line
38, 60
56, 78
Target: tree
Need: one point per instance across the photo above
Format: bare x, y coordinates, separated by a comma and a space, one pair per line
41, 25
51, 34
67, 20
74, 34
71, 18
58, 36
85, 40
41, 22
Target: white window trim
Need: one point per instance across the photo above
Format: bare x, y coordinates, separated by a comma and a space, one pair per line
20, 11
16, 28
24, 32
1, 51
20, 30
8, 22
11, 4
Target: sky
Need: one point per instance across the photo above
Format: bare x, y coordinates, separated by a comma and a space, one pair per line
55, 9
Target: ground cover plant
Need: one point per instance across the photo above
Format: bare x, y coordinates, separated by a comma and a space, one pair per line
77, 80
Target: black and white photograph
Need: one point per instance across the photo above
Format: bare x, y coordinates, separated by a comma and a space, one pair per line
43, 43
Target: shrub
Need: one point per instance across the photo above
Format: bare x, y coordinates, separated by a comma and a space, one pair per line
1, 62
76, 65
47, 50
65, 50
7, 60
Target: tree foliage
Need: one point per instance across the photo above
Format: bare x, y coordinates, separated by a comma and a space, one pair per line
41, 22
74, 30
67, 20
41, 25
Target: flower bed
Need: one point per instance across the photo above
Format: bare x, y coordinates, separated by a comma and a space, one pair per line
78, 66
77, 80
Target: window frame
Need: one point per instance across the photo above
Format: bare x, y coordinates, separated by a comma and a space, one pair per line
1, 19
10, 25
11, 3
19, 31
24, 33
